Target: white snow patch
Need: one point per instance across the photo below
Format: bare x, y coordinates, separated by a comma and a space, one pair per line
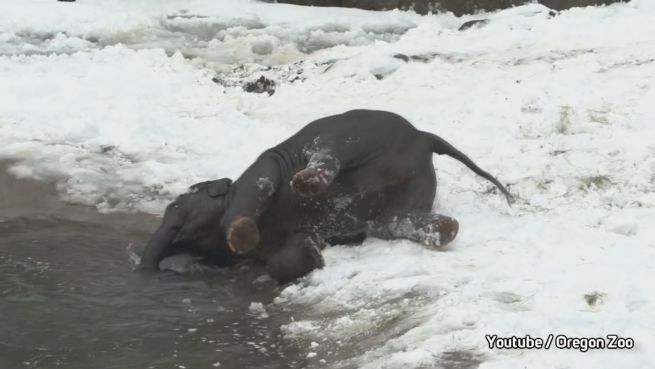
258, 309
122, 129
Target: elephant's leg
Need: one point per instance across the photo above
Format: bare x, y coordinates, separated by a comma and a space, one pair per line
300, 255
434, 230
248, 199
322, 168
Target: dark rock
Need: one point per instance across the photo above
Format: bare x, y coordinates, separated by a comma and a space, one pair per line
478, 23
567, 4
371, 4
261, 85
402, 57
457, 7
425, 58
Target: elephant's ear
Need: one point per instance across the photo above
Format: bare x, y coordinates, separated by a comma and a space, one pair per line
215, 188
199, 186
218, 187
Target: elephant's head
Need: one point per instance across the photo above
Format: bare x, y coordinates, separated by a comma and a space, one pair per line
192, 224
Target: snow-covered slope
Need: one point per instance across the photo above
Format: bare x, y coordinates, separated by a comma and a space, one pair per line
96, 96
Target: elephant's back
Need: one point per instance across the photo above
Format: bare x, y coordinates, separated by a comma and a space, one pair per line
374, 125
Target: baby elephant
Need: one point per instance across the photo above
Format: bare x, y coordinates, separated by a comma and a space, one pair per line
339, 179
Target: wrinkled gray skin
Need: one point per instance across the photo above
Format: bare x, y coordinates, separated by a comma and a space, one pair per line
336, 181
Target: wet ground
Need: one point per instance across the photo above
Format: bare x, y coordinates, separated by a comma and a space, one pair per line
69, 297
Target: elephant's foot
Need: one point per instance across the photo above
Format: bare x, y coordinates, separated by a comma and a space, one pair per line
309, 182
299, 255
439, 232
243, 235
433, 230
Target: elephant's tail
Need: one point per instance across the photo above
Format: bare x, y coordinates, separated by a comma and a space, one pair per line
442, 147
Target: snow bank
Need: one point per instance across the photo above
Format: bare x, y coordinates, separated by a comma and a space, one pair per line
122, 129
223, 32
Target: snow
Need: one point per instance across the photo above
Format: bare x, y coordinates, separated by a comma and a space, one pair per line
258, 310
114, 101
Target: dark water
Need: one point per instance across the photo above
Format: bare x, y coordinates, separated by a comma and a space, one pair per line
69, 298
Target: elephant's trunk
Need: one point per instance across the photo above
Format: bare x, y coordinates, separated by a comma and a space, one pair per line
159, 246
